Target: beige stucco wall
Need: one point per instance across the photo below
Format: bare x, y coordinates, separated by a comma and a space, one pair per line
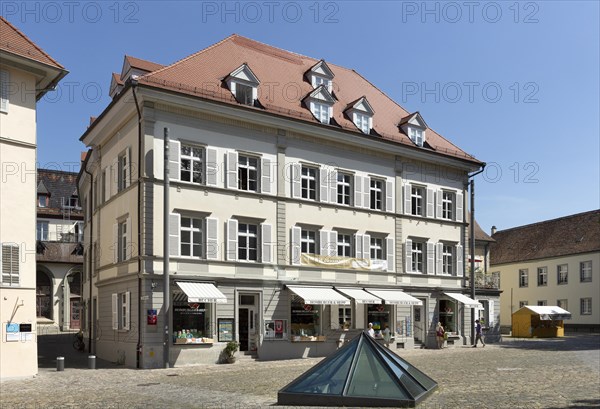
19, 124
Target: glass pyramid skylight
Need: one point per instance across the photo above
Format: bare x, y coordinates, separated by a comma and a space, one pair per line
362, 373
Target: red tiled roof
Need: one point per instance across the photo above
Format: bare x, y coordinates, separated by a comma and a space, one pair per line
284, 86
479, 234
143, 65
117, 78
575, 234
15, 42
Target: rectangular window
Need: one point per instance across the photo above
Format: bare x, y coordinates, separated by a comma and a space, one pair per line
121, 315
42, 231
308, 180
417, 198
345, 317
524, 277
563, 274
308, 242
376, 194
416, 135
586, 306
304, 318
122, 241
542, 276
243, 93
247, 242
523, 303
417, 256
585, 271
4, 90
344, 245
191, 321
542, 303
42, 201
9, 263
447, 259
448, 205
192, 164
377, 249
191, 237
321, 112
344, 188
124, 311
123, 167
248, 173
320, 80
562, 304
362, 122
380, 316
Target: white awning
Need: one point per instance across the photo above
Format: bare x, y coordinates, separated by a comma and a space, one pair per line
319, 295
548, 313
395, 297
359, 295
202, 292
468, 302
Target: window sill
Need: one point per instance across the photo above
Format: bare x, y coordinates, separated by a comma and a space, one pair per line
193, 341
320, 338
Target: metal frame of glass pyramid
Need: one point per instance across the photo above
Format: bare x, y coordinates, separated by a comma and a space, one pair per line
362, 373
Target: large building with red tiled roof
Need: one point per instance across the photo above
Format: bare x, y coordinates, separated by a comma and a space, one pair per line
554, 262
23, 66
303, 204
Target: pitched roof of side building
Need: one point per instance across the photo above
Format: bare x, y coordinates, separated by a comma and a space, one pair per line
283, 88
570, 235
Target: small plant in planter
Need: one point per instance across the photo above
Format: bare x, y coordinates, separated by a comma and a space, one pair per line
229, 352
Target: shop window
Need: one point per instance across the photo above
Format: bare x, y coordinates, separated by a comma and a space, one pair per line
448, 315
380, 316
345, 317
276, 329
305, 320
191, 322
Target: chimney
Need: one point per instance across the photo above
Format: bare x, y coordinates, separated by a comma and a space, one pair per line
493, 230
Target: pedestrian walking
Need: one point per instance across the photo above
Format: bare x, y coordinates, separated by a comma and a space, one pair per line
439, 333
387, 336
478, 334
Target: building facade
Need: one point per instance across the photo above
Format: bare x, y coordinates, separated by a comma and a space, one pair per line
303, 204
26, 74
59, 248
555, 262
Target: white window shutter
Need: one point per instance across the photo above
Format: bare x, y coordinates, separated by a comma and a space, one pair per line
174, 160
129, 243
106, 176
232, 240
459, 260
389, 197
367, 192
439, 254
267, 176
430, 258
232, 170
212, 167
323, 184
296, 247
212, 238
174, 234
115, 311
407, 199
4, 84
296, 170
408, 255
439, 196
459, 207
367, 246
389, 253
126, 324
333, 243
114, 176
358, 245
333, 186
324, 242
358, 189
490, 322
127, 170
267, 244
116, 243
430, 203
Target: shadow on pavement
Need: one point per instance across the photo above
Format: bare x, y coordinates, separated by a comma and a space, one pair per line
51, 346
584, 342
580, 404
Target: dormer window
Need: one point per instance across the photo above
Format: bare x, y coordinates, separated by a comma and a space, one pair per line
415, 128
320, 102
361, 114
320, 74
42, 200
243, 84
321, 112
416, 135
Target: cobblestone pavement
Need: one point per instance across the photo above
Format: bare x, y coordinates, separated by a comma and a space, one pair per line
539, 373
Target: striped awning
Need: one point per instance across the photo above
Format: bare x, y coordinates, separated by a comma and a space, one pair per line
201, 292
359, 295
395, 297
319, 295
468, 302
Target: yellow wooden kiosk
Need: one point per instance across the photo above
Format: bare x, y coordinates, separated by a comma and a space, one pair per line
537, 321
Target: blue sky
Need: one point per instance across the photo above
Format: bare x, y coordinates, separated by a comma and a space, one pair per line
514, 83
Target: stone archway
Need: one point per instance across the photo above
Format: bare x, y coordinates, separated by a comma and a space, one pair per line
43, 295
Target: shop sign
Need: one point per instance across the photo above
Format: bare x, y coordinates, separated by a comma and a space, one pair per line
152, 317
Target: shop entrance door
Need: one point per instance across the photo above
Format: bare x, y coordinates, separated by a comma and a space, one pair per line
419, 320
75, 314
247, 316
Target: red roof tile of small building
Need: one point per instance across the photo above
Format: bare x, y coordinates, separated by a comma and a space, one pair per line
143, 65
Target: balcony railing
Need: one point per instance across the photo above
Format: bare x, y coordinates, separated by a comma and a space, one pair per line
484, 280
59, 237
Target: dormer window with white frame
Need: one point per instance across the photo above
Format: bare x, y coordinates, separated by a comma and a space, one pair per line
415, 127
361, 114
320, 102
243, 84
321, 74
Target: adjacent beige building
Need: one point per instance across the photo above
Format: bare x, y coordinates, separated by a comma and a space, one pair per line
303, 205
26, 74
554, 262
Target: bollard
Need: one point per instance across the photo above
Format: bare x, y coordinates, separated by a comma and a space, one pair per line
92, 362
60, 363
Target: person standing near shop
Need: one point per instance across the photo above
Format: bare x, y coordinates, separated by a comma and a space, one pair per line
478, 335
370, 330
439, 333
387, 336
